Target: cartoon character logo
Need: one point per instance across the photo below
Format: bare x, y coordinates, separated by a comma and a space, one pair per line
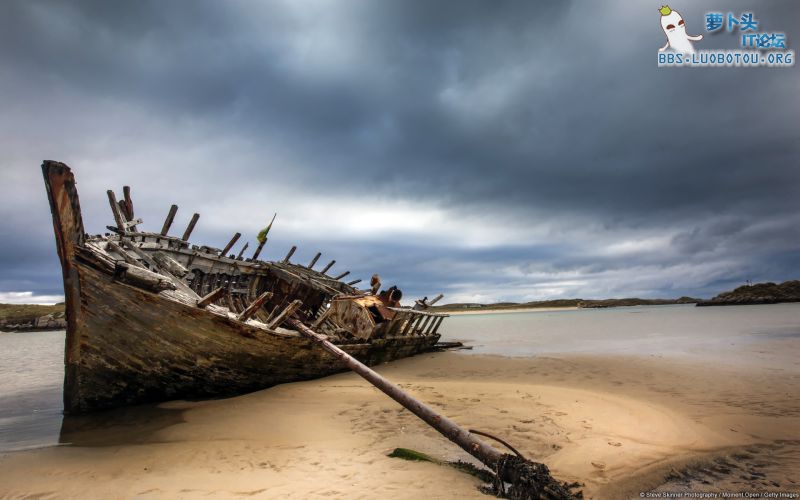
675, 29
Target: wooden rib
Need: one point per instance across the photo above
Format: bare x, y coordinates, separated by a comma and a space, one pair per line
258, 249
314, 260
168, 221
342, 275
190, 227
230, 244
211, 297
322, 317
424, 324
330, 265
438, 324
254, 306
354, 282
118, 217
280, 318
289, 255
246, 244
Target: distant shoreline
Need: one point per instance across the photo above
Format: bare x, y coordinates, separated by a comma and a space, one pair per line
489, 310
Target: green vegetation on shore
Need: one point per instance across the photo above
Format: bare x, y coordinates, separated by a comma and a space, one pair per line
581, 303
31, 317
759, 293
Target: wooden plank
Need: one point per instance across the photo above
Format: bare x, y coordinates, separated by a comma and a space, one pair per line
179, 283
131, 224
254, 306
164, 261
141, 277
342, 275
289, 255
190, 227
230, 244
351, 283
127, 257
330, 265
280, 318
314, 260
119, 219
211, 297
168, 221
438, 324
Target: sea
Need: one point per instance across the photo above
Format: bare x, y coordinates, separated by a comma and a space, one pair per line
32, 366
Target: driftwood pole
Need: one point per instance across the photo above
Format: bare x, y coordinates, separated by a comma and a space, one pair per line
529, 480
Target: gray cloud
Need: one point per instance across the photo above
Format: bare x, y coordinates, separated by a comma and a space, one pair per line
582, 167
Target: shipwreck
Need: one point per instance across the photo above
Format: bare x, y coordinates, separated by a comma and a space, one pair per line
152, 317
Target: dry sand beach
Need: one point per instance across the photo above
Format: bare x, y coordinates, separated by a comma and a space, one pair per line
618, 424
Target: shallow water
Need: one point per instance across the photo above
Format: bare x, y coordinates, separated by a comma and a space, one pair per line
714, 334
31, 381
31, 364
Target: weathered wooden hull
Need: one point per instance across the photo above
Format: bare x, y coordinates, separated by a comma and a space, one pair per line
127, 345
135, 346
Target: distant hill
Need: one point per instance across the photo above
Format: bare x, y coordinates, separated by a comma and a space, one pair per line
760, 293
15, 317
580, 303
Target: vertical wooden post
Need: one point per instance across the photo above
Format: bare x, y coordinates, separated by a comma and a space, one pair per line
190, 227
438, 324
168, 221
230, 244
289, 255
314, 260
330, 265
246, 244
126, 196
258, 249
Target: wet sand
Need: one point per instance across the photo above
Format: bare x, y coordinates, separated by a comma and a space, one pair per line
618, 424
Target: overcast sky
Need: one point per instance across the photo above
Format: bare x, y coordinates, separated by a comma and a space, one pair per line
485, 150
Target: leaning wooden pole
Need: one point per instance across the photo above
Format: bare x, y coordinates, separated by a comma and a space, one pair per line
528, 480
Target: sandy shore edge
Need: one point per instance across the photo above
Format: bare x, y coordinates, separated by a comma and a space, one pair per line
618, 425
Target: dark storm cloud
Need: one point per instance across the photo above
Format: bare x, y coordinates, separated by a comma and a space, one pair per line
539, 114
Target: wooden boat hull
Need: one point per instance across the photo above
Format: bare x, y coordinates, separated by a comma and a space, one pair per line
156, 349
126, 345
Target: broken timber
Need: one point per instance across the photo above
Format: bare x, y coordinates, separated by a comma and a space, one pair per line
528, 480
